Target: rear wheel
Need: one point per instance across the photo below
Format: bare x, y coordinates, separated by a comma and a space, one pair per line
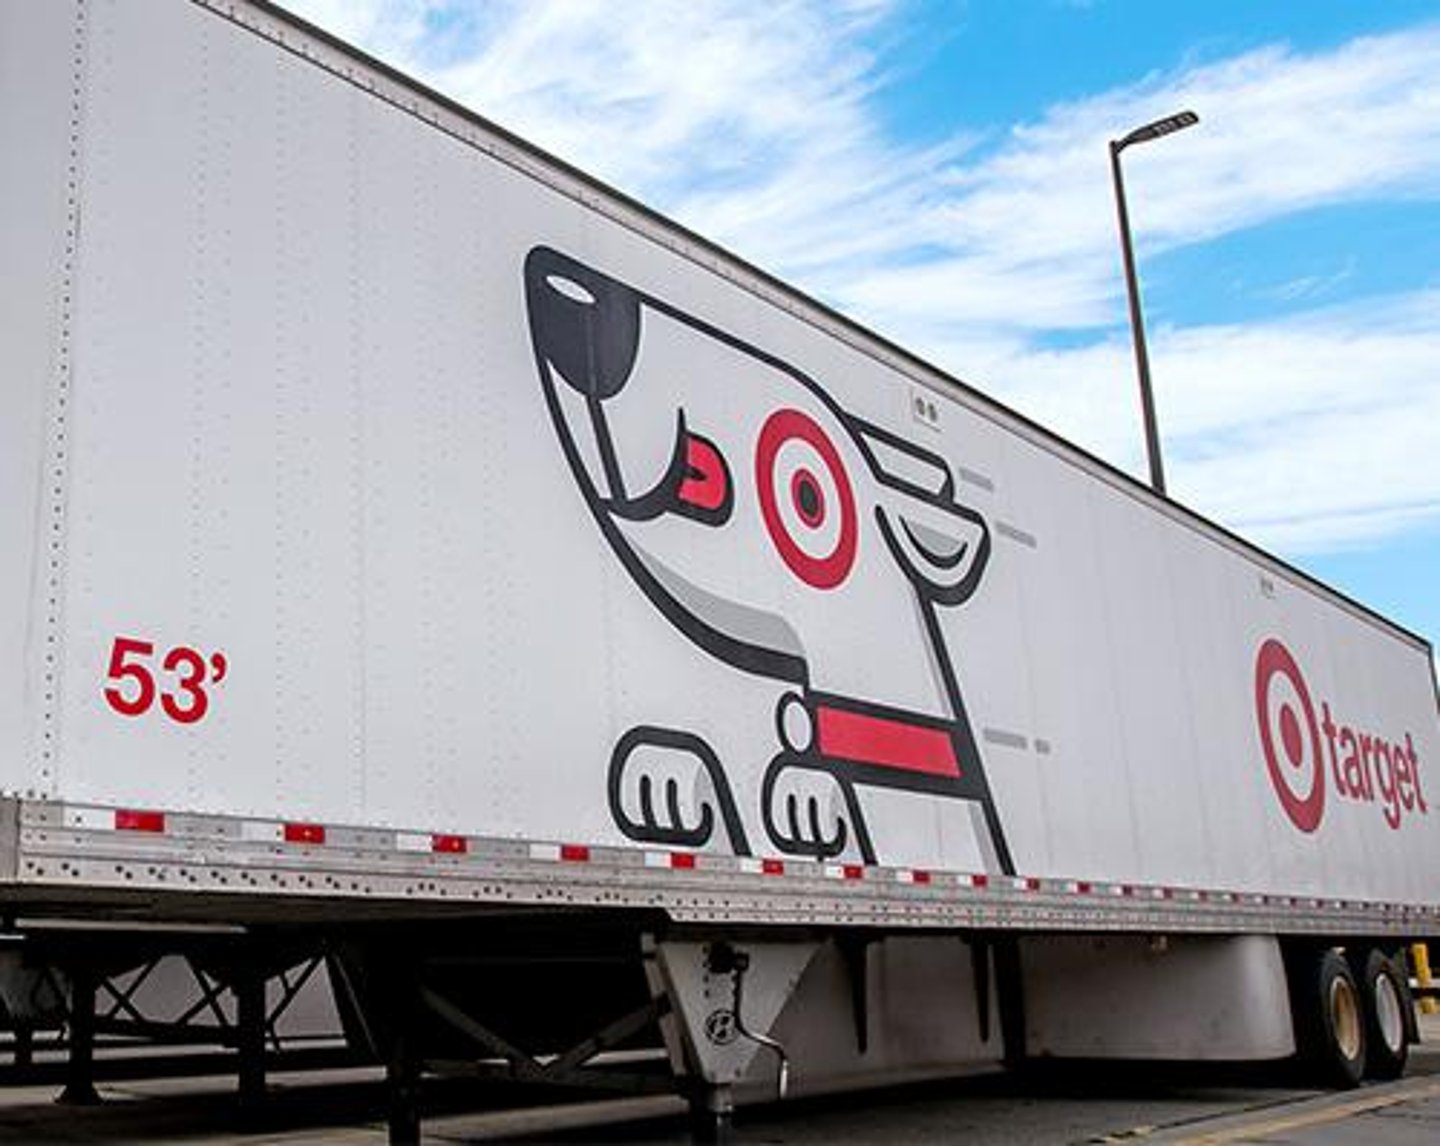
1385, 995
1329, 1014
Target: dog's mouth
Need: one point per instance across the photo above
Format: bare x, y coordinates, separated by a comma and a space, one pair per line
696, 484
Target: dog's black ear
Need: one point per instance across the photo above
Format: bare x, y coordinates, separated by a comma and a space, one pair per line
584, 324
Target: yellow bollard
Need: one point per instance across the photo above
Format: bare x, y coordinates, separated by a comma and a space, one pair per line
1420, 956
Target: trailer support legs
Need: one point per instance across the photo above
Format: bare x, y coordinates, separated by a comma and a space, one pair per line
712, 1114
80, 1070
855, 951
402, 1065
250, 1038
24, 1045
402, 1077
1010, 986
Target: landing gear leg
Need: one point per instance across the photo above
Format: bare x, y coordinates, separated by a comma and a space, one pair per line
712, 1114
402, 1066
80, 1070
250, 1031
24, 1046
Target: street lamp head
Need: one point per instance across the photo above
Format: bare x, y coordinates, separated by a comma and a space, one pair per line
1167, 126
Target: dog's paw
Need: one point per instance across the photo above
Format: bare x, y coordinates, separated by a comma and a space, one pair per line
667, 787
807, 810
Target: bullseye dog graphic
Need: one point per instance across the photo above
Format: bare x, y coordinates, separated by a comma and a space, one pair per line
783, 536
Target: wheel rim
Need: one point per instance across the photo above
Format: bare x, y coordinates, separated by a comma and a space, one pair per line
1345, 1018
1388, 1014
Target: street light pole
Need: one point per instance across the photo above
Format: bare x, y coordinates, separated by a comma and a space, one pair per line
1160, 127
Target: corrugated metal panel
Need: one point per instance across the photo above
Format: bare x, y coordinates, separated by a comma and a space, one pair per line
444, 495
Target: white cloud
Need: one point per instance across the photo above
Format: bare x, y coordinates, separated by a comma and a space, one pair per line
668, 98
1280, 133
759, 126
1306, 434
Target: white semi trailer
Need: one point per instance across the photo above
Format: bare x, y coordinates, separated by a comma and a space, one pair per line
423, 559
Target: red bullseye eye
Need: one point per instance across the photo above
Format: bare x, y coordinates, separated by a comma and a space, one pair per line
1290, 736
806, 499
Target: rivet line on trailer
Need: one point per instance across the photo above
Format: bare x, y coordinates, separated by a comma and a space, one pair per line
458, 847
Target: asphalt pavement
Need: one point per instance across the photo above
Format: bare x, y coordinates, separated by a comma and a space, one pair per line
1090, 1104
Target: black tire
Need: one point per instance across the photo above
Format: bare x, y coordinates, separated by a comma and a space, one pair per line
1385, 995
1328, 1008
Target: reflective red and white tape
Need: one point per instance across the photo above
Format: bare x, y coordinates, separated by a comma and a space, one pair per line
459, 847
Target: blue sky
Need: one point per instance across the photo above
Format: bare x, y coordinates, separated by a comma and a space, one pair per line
938, 171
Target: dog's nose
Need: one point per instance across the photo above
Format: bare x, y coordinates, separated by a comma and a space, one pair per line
585, 325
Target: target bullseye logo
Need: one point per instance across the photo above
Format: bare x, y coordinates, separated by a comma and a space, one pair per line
1367, 765
1297, 763
806, 499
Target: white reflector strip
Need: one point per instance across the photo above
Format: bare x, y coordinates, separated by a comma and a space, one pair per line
90, 819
